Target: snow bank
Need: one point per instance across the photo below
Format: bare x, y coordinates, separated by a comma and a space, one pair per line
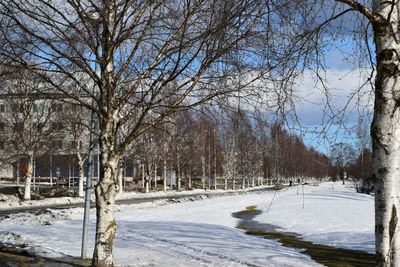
10, 201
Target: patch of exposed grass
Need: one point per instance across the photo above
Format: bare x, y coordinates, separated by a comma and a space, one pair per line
249, 211
10, 256
323, 254
327, 255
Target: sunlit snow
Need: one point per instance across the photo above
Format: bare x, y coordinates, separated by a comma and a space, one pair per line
203, 232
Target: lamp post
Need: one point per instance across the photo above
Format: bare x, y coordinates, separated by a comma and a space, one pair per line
88, 189
94, 18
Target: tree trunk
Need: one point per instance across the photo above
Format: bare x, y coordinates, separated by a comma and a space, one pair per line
146, 180
155, 177
106, 190
178, 187
179, 181
18, 167
165, 176
28, 177
385, 133
143, 174
226, 183
51, 170
203, 169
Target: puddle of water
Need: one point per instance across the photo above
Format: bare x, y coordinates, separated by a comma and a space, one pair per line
323, 254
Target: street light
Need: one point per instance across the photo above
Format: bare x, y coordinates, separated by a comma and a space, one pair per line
94, 18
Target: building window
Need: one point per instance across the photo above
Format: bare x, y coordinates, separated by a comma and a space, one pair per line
38, 107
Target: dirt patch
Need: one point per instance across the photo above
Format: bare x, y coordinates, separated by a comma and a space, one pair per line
17, 257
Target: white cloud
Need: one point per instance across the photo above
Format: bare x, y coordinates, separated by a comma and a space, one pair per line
339, 94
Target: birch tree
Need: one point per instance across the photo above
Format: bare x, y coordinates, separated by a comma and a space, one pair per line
131, 51
77, 128
379, 22
27, 122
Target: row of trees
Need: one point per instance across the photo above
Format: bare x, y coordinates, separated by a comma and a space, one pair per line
351, 162
134, 63
233, 146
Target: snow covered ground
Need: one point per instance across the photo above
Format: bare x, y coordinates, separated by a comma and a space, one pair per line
203, 233
333, 214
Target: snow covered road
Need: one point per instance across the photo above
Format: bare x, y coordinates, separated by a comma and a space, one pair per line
203, 233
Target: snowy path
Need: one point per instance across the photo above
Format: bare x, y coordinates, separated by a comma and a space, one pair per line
200, 233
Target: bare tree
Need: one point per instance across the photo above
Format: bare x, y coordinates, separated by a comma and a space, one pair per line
76, 127
343, 155
29, 122
321, 23
131, 51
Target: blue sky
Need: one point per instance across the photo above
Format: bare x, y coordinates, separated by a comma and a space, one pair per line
349, 98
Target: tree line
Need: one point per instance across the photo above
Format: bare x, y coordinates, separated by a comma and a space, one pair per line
134, 63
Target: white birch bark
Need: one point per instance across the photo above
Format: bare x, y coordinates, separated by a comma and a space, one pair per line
385, 132
28, 177
81, 163
106, 190
165, 176
18, 176
147, 186
147, 179
155, 177
203, 169
143, 174
178, 187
